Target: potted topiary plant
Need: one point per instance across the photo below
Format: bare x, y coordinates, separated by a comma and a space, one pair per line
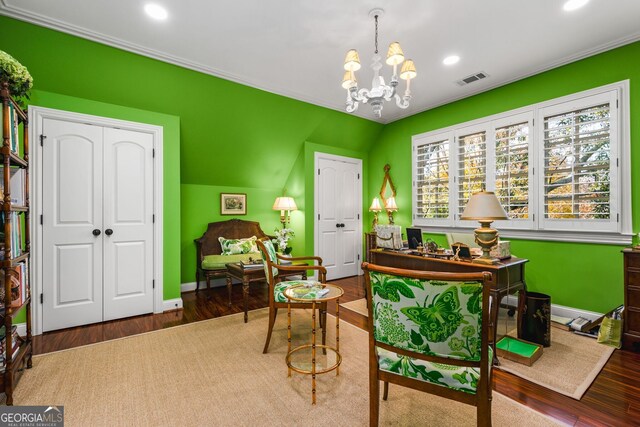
15, 75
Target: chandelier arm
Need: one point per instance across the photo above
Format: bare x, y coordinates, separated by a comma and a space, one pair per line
389, 92
402, 102
361, 95
351, 107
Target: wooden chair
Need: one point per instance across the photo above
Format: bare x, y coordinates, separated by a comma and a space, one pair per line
430, 332
277, 300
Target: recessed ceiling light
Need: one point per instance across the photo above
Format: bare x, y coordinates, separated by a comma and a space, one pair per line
450, 60
156, 11
574, 4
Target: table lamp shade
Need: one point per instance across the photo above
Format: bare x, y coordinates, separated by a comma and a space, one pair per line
375, 205
391, 204
484, 206
285, 204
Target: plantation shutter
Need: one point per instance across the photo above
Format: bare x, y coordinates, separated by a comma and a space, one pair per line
512, 169
580, 164
472, 165
432, 180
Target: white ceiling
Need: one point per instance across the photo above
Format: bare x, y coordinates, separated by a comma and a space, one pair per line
296, 47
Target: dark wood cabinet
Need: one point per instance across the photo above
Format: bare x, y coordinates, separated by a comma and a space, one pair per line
631, 315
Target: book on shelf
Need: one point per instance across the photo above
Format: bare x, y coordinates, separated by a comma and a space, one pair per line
16, 184
16, 233
14, 133
19, 278
15, 344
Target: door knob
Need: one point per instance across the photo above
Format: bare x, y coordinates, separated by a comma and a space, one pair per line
108, 232
342, 225
96, 232
338, 225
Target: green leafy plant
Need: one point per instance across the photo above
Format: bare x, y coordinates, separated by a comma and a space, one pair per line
16, 75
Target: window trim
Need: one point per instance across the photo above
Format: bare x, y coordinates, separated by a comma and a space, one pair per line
622, 235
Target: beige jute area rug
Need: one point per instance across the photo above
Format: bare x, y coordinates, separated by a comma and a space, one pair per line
214, 373
359, 306
569, 366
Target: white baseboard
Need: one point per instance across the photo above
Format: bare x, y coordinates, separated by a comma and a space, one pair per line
172, 304
560, 310
215, 283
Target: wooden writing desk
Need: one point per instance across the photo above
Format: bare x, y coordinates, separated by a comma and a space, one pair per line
506, 278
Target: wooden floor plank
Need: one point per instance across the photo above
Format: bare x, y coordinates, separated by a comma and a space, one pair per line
612, 400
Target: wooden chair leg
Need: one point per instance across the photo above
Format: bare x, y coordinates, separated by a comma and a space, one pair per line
197, 281
484, 413
385, 393
273, 312
374, 397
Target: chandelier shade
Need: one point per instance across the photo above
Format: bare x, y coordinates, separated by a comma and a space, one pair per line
349, 79
380, 91
395, 55
352, 61
408, 70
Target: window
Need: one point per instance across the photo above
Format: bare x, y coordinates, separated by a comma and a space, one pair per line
568, 173
432, 185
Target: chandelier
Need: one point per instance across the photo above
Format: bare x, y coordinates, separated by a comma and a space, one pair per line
379, 91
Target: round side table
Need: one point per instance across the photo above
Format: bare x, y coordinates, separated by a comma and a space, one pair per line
302, 293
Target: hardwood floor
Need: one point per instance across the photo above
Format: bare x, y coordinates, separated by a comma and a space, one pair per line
612, 400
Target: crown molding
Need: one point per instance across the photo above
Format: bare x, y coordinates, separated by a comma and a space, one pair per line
48, 22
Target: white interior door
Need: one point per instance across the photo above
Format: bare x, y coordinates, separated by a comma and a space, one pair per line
338, 222
98, 231
128, 223
72, 207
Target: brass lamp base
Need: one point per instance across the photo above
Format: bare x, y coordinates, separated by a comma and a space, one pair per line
486, 238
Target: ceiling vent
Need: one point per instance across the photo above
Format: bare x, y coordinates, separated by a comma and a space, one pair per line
472, 78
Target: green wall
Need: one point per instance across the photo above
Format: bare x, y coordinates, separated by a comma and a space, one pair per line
200, 205
232, 138
586, 276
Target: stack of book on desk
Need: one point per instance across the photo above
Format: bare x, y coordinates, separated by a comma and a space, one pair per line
252, 263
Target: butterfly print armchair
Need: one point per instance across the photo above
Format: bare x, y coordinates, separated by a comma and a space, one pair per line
429, 331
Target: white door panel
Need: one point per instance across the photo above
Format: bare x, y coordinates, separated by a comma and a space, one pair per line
73, 269
339, 204
72, 208
128, 212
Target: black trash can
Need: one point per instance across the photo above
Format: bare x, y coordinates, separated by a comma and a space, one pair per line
536, 319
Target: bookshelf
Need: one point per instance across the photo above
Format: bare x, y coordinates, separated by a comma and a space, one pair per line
15, 293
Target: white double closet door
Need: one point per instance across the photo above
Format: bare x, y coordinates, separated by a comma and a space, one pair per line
97, 258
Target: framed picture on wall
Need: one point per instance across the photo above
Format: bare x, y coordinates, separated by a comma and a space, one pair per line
233, 204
